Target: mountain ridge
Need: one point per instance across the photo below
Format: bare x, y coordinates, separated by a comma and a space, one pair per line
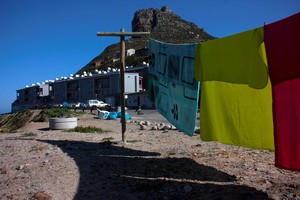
163, 24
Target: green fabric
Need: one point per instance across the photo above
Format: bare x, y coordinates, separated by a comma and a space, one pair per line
236, 114
236, 98
233, 59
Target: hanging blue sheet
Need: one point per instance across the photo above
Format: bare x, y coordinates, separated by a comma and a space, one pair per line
172, 86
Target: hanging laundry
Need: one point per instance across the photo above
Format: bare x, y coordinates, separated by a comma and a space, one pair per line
233, 110
236, 114
233, 59
172, 85
283, 50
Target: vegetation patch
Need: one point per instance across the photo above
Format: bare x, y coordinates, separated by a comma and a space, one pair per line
30, 134
108, 142
58, 112
133, 141
37, 148
172, 153
44, 115
88, 129
16, 120
108, 139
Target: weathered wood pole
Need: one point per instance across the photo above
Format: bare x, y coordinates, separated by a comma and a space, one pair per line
122, 35
122, 85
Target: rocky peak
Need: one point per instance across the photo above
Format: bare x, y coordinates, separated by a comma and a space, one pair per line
163, 25
166, 26
147, 20
166, 9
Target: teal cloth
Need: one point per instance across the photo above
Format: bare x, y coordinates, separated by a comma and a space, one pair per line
172, 86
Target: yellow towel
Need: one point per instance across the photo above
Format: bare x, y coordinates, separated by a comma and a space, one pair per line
233, 110
236, 114
233, 59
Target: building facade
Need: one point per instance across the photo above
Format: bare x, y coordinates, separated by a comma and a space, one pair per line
102, 85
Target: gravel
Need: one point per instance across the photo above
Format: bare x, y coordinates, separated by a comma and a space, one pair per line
152, 164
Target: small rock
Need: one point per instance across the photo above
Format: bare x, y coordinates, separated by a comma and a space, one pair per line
10, 196
20, 167
197, 131
267, 182
161, 126
167, 127
141, 123
143, 127
147, 123
41, 196
154, 128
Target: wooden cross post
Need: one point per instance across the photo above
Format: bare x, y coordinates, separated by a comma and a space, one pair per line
122, 35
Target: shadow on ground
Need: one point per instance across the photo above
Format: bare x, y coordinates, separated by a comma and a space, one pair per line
112, 172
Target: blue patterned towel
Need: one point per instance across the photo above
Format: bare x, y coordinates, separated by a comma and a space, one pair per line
172, 85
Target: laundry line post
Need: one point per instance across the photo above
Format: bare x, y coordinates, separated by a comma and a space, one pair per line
122, 35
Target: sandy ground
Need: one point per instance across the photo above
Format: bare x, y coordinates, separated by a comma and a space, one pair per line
38, 163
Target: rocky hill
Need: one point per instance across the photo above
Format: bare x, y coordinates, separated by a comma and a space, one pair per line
163, 25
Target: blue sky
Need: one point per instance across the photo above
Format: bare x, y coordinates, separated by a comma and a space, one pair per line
43, 39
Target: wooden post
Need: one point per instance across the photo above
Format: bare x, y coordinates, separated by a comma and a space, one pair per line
122, 35
122, 86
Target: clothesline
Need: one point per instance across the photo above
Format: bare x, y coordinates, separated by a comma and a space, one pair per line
250, 85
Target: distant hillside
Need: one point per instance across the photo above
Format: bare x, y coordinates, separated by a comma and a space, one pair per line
163, 25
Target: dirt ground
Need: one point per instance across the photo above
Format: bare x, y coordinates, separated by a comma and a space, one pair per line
38, 163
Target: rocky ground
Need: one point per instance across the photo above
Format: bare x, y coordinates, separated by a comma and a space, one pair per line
38, 163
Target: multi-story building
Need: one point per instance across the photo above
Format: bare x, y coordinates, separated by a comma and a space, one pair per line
101, 85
